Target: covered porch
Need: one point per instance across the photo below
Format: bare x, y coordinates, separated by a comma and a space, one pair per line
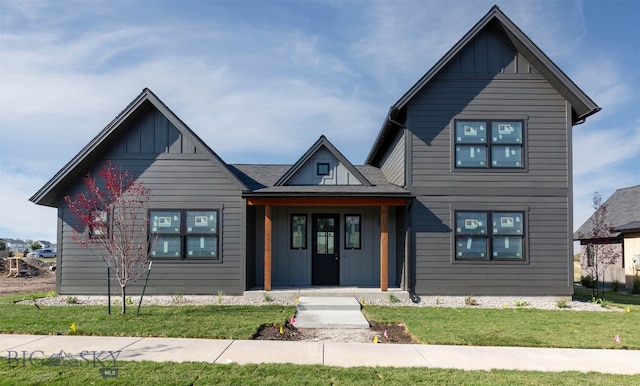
330, 242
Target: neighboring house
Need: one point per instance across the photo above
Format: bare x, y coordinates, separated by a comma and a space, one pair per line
16, 245
623, 214
45, 244
467, 190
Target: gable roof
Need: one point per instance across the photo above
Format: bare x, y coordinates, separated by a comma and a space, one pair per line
582, 105
322, 142
74, 169
261, 180
623, 213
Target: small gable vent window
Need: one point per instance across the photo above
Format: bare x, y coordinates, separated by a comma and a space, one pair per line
489, 144
322, 168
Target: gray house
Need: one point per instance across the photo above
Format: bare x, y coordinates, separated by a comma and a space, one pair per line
467, 189
623, 214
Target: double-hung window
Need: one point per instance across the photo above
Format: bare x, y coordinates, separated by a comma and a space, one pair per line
185, 234
489, 144
100, 224
489, 235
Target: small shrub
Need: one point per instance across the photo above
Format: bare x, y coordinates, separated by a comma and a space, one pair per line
615, 286
177, 298
393, 299
521, 303
220, 295
71, 300
52, 294
635, 289
470, 300
266, 297
586, 281
562, 303
128, 300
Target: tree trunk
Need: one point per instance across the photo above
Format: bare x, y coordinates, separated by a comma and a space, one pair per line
123, 291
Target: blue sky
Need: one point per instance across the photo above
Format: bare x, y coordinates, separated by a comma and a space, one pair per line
260, 81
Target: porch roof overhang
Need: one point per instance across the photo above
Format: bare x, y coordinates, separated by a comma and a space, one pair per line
343, 200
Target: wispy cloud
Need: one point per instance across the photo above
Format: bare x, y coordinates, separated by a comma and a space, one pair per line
18, 217
280, 74
605, 159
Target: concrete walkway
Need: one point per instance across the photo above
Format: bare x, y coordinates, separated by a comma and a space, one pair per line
21, 349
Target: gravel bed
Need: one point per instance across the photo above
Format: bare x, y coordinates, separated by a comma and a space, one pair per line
546, 303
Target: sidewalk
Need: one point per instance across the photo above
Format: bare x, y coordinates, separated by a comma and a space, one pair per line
23, 348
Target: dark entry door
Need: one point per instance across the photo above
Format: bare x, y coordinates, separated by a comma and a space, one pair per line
325, 266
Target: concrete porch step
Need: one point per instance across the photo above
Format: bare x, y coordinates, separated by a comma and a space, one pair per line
329, 312
307, 303
360, 293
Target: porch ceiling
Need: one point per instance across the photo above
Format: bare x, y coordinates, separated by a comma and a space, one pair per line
328, 201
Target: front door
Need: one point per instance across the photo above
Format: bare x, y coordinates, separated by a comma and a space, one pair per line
325, 266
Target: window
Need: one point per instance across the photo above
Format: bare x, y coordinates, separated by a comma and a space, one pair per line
185, 233
489, 236
322, 168
352, 232
100, 226
489, 144
298, 231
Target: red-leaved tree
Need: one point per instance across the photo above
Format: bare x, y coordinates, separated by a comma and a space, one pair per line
112, 222
601, 253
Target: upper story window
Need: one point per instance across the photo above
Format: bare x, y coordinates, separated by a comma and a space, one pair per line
489, 144
185, 234
489, 235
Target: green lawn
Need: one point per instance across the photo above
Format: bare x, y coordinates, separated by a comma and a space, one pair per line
517, 327
151, 373
457, 326
617, 299
213, 322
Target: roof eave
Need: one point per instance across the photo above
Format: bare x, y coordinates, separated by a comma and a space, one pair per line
332, 194
581, 103
48, 194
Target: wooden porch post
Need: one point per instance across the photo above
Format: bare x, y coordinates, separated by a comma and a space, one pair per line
267, 247
384, 247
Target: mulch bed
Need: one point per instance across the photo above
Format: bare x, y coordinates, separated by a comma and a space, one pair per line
395, 333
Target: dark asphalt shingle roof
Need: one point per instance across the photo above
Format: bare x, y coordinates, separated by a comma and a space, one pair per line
261, 179
623, 212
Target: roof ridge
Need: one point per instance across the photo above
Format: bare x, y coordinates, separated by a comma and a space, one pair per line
629, 187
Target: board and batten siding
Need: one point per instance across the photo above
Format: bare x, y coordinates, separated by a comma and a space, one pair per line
488, 79
338, 173
179, 177
358, 267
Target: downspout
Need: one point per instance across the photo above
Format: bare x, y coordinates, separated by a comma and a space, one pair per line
407, 238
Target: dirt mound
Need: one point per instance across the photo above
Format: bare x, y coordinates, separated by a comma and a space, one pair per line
35, 276
386, 333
